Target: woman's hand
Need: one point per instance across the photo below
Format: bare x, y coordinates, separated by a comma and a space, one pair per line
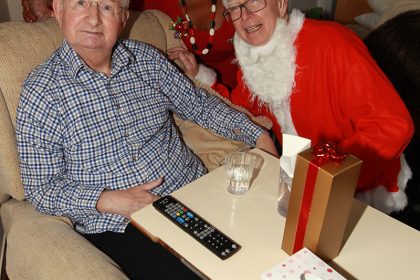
187, 59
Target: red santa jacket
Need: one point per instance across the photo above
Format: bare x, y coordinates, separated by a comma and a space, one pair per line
341, 95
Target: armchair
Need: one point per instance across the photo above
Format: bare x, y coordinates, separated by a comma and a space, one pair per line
40, 246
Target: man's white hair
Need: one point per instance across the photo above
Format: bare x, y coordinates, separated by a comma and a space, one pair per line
225, 2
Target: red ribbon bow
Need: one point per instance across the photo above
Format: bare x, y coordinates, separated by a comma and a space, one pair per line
328, 151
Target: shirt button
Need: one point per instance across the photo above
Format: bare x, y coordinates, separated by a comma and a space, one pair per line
126, 220
126, 134
134, 158
117, 106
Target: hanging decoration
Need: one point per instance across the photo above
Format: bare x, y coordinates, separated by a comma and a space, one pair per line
184, 28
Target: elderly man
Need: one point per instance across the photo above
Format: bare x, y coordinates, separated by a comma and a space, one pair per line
96, 139
317, 80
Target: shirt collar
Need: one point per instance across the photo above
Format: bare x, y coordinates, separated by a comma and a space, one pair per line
121, 57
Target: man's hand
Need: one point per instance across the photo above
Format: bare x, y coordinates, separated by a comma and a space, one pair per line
126, 202
265, 143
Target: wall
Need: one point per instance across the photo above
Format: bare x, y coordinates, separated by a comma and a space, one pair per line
302, 4
4, 11
10, 10
326, 5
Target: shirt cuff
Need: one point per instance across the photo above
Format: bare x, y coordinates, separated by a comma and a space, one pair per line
248, 133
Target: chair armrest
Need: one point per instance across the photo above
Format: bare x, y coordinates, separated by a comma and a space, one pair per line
52, 248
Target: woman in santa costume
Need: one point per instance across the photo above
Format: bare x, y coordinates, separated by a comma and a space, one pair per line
316, 79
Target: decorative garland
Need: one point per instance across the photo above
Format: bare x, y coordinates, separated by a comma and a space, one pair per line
185, 28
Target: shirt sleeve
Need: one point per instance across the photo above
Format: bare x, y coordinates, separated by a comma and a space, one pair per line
195, 104
42, 160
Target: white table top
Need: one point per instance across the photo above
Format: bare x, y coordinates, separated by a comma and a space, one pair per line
376, 246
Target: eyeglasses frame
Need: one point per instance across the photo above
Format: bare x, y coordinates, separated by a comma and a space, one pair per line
240, 6
99, 4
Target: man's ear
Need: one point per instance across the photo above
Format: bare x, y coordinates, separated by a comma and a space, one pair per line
126, 15
282, 6
58, 10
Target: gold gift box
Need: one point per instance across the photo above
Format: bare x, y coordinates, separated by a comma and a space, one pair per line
334, 187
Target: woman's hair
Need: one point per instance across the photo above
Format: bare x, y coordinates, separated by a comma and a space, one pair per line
395, 45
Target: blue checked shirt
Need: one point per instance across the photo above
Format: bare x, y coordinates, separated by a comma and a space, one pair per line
81, 132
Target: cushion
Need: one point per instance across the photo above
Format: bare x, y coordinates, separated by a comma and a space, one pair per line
10, 182
43, 239
22, 47
368, 20
380, 6
208, 146
145, 27
397, 8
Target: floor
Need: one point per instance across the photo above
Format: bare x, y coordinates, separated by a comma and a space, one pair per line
411, 214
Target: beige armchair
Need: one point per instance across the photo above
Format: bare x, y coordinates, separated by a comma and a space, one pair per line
46, 247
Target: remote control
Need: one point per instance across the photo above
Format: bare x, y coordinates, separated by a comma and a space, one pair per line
202, 231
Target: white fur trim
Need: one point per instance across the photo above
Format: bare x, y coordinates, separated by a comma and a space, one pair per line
269, 70
385, 201
206, 75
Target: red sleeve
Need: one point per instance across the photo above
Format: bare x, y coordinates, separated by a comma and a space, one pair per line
221, 89
382, 124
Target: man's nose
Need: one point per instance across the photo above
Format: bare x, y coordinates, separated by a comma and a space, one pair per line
244, 12
93, 14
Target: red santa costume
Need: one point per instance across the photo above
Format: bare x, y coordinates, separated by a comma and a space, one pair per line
316, 79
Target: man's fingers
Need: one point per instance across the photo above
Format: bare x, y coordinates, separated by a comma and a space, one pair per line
152, 184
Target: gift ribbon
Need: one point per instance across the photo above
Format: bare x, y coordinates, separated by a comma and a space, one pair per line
322, 154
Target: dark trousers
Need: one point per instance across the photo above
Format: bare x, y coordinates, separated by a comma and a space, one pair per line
140, 257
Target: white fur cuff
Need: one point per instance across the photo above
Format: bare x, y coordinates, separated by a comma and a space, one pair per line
385, 201
206, 75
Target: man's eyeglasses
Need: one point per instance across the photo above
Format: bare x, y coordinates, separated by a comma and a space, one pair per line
234, 13
106, 8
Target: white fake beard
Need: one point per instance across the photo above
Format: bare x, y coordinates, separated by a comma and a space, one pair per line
269, 70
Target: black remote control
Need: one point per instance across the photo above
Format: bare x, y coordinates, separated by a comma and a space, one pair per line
197, 227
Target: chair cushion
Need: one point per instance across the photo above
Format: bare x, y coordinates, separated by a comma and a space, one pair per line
22, 47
